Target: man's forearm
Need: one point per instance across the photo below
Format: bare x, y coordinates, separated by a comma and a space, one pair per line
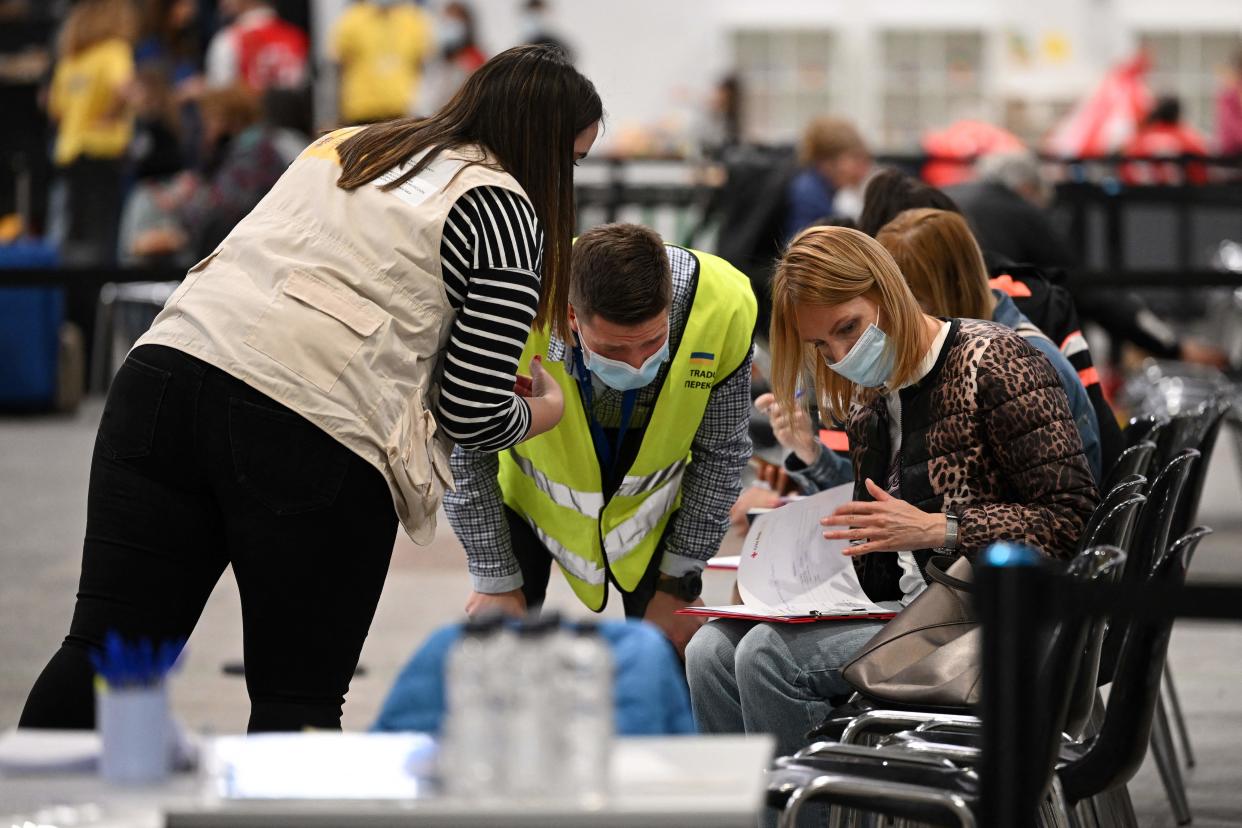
476, 512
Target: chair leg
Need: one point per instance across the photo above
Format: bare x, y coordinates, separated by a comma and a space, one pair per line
1178, 720
1166, 764
1058, 807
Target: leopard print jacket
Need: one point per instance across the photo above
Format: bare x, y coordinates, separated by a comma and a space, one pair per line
986, 435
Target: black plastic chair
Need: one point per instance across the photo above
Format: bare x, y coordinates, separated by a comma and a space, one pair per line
1113, 757
1092, 768
1121, 492
864, 778
1211, 419
1143, 427
1115, 531
1134, 460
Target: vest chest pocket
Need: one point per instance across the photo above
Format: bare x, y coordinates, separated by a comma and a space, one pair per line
315, 328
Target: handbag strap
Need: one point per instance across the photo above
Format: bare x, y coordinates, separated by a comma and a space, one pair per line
936, 570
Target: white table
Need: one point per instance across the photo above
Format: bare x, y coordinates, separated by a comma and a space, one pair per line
708, 781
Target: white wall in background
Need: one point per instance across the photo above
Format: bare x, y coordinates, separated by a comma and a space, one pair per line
656, 59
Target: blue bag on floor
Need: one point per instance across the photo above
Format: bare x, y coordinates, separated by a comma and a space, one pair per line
30, 320
651, 696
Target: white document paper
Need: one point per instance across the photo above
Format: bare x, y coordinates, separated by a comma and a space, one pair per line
789, 568
788, 571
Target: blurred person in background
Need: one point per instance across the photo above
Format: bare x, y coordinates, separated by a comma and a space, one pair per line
1006, 206
155, 159
89, 103
537, 29
460, 55
241, 163
380, 47
168, 43
168, 38
1229, 108
257, 48
1163, 134
719, 126
835, 165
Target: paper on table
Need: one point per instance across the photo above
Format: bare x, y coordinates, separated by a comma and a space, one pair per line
788, 568
47, 751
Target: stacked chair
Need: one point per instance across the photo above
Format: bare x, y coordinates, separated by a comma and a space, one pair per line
874, 764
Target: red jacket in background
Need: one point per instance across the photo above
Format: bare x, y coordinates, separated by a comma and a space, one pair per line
271, 54
1171, 140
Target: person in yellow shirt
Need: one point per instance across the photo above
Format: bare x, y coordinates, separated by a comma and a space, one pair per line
380, 47
88, 101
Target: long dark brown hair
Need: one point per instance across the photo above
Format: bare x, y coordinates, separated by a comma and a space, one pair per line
526, 106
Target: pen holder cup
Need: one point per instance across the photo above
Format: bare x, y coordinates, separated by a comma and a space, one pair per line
134, 732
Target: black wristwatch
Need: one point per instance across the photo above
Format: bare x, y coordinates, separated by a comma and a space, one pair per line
686, 587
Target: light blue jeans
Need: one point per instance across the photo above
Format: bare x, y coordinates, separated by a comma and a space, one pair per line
754, 677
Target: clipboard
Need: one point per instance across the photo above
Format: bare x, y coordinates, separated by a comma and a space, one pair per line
742, 612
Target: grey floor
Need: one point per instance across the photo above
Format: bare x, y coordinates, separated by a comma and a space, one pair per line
43, 474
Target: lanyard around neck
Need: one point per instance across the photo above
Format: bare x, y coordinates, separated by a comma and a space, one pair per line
609, 455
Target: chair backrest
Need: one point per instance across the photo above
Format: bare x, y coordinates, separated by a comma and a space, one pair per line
1188, 508
1156, 519
1134, 460
1153, 533
1181, 432
1062, 662
1123, 491
1114, 540
1120, 746
1143, 427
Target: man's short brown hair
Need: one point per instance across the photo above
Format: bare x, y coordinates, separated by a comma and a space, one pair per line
827, 138
620, 272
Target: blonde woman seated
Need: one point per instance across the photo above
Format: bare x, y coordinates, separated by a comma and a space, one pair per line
960, 435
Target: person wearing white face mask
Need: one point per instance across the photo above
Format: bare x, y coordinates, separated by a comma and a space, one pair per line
959, 435
634, 486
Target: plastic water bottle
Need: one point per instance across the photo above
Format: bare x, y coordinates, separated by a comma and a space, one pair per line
469, 763
586, 728
529, 744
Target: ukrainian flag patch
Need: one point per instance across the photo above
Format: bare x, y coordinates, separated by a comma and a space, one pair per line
702, 358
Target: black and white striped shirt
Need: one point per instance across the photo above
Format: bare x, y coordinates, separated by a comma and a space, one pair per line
491, 252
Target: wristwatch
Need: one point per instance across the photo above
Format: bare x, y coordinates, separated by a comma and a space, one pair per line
950, 531
686, 587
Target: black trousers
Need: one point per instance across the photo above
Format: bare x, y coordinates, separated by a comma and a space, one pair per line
536, 563
194, 471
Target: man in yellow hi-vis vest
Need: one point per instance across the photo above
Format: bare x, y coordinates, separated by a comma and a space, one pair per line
633, 487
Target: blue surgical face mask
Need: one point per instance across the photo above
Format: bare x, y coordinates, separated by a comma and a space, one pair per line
621, 375
870, 362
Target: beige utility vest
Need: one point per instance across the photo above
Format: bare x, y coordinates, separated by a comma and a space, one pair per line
332, 302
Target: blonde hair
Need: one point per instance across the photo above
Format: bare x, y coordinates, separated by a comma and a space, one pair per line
941, 261
826, 266
827, 138
94, 21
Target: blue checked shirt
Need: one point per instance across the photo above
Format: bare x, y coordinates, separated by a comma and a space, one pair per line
711, 484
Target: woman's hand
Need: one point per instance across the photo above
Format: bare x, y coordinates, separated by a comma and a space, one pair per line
885, 525
792, 428
546, 401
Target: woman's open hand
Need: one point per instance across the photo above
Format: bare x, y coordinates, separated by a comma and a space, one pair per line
886, 524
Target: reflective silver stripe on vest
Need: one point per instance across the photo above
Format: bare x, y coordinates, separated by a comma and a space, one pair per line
589, 504
633, 485
581, 569
623, 539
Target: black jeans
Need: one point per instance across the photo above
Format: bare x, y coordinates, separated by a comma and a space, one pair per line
535, 561
194, 471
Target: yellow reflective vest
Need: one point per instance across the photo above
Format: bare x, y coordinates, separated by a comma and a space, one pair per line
554, 480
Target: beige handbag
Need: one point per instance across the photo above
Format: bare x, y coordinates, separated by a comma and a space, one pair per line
928, 655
